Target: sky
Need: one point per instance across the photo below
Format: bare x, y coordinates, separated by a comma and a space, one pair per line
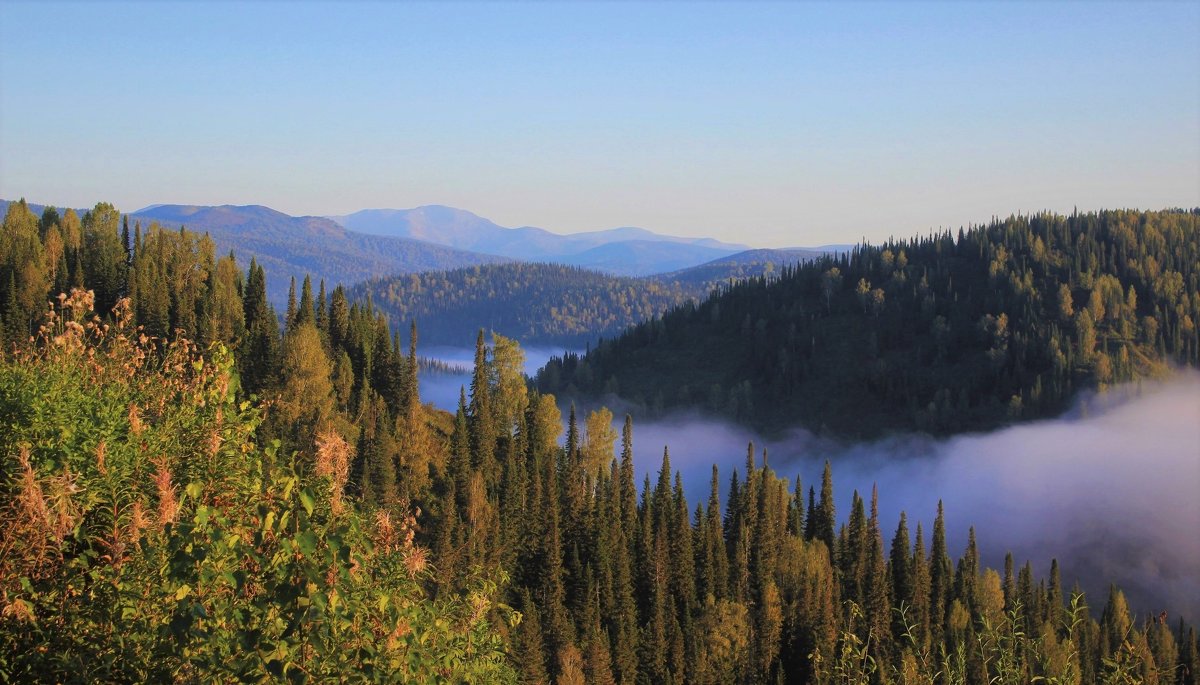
774, 124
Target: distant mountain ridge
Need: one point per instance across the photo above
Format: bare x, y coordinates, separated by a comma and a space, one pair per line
643, 252
288, 246
378, 243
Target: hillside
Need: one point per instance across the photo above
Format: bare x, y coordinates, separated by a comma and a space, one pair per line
548, 303
533, 303
625, 251
744, 265
940, 334
288, 246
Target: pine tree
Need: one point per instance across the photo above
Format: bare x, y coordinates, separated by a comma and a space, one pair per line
482, 424
967, 575
289, 319
1054, 597
941, 578
919, 618
339, 319
1116, 625
305, 313
322, 312
827, 519
529, 652
104, 260
901, 570
259, 356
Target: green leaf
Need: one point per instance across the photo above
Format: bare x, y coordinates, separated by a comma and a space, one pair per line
308, 500
307, 542
194, 490
183, 591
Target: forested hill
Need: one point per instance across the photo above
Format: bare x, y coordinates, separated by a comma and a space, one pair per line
942, 333
550, 303
534, 303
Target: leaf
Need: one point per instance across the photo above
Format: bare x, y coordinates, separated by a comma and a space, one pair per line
307, 542
183, 591
307, 499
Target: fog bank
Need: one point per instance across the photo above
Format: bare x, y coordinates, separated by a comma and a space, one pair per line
1112, 489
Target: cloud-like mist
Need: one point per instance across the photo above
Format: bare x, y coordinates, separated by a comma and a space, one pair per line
1112, 489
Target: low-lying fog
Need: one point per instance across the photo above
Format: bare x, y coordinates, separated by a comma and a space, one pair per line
1112, 489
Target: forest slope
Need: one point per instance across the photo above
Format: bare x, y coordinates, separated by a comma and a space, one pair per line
941, 334
550, 303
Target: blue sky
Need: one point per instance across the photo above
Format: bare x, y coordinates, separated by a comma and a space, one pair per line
772, 124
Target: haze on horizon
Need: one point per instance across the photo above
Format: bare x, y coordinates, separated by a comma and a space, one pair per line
771, 124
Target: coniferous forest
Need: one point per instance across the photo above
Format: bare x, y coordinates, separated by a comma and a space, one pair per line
197, 488
548, 304
942, 334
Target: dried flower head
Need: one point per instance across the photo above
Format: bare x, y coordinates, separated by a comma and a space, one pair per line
385, 536
416, 560
135, 420
168, 503
333, 462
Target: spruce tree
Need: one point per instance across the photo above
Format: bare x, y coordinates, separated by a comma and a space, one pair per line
919, 617
289, 318
941, 579
900, 567
828, 514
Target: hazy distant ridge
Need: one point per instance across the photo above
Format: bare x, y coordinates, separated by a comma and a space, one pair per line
641, 252
288, 246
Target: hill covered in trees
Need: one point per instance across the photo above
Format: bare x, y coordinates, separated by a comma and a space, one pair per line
943, 333
533, 303
540, 303
236, 500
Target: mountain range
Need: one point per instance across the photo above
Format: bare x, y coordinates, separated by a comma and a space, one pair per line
291, 247
625, 251
377, 243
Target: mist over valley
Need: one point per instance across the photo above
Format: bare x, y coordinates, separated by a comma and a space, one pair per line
1109, 489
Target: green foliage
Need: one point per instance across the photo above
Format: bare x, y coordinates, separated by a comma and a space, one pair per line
147, 537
